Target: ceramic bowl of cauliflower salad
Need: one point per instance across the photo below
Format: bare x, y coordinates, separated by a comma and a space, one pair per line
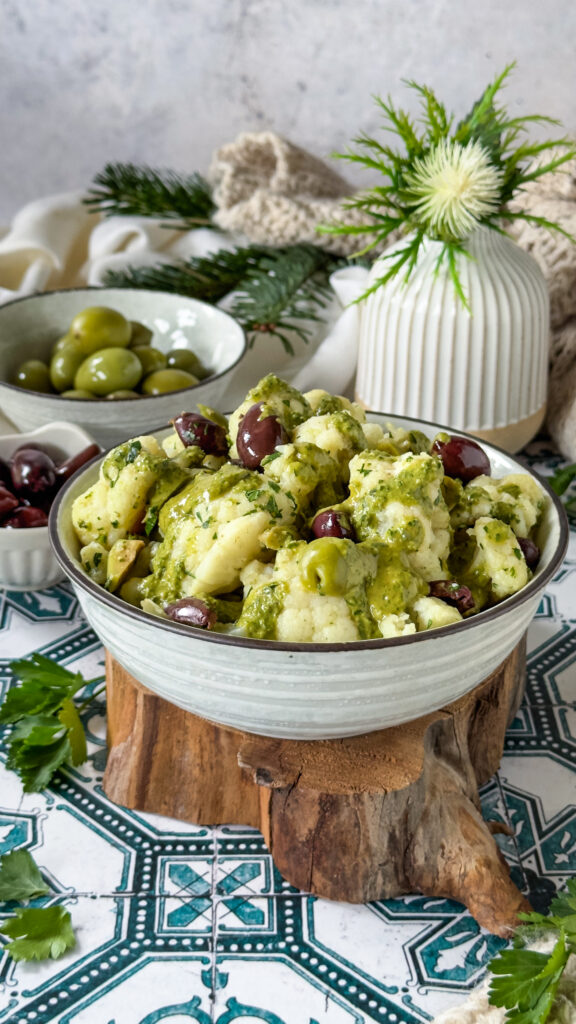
299, 526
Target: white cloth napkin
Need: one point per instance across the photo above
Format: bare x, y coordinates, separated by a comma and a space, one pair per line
56, 242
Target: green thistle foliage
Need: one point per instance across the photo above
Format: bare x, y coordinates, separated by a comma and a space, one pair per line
144, 192
486, 147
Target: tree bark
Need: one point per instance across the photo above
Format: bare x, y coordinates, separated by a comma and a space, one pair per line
358, 819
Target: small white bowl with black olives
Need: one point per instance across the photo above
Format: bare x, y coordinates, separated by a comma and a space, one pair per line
176, 328
33, 465
310, 690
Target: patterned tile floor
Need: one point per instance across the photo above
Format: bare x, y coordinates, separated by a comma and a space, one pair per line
181, 923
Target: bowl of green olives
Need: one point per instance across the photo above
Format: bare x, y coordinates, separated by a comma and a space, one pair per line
112, 360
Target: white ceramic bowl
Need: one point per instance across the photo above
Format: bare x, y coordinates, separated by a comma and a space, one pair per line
310, 691
30, 326
27, 560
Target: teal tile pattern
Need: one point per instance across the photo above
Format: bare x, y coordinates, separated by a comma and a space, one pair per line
178, 922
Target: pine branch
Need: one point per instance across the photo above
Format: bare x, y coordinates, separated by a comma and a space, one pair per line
145, 192
209, 278
288, 285
273, 291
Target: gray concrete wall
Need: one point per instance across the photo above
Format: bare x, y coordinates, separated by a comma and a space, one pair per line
165, 83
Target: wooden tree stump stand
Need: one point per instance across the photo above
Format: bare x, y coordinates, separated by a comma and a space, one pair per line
357, 819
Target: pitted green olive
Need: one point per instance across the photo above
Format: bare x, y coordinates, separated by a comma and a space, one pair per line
111, 369
141, 335
162, 381
34, 375
99, 327
152, 359
78, 393
185, 359
125, 393
63, 366
323, 567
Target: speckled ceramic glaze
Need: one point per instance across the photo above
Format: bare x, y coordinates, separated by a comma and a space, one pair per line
30, 326
27, 560
309, 691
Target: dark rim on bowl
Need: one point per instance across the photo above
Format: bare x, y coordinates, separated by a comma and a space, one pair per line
535, 584
140, 291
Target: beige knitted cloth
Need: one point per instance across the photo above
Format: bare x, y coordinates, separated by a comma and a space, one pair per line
554, 197
275, 193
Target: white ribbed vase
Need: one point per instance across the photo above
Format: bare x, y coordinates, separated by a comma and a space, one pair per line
423, 354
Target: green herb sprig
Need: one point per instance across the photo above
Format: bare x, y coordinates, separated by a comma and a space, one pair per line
560, 482
47, 731
272, 291
446, 178
123, 188
526, 982
36, 933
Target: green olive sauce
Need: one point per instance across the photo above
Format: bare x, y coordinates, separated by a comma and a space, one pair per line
280, 399
413, 485
261, 610
394, 586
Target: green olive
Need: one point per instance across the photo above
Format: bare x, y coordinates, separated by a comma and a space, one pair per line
63, 366
78, 393
132, 591
162, 381
34, 376
62, 342
323, 567
110, 369
152, 359
141, 335
185, 359
99, 327
123, 393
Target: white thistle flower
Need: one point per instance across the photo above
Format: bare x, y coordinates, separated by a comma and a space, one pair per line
456, 187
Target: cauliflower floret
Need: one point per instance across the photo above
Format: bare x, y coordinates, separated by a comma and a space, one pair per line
306, 473
277, 398
94, 561
431, 612
498, 563
316, 593
173, 445
117, 503
212, 529
374, 436
391, 626
399, 502
516, 499
322, 402
337, 433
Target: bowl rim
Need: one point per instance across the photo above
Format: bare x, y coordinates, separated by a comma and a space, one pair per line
534, 586
121, 402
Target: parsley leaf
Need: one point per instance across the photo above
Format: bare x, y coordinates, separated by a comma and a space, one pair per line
525, 981
46, 728
560, 482
20, 878
38, 933
70, 718
44, 686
